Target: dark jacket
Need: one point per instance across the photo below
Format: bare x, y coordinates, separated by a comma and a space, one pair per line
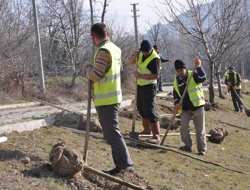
199, 77
230, 78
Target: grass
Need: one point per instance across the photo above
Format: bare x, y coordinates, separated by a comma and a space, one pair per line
162, 169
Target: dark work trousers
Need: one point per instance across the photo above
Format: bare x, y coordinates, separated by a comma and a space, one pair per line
145, 102
108, 117
236, 102
159, 83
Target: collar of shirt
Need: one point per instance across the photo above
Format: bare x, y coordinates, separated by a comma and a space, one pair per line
103, 42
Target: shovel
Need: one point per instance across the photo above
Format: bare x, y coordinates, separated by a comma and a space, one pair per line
85, 155
181, 100
247, 111
133, 134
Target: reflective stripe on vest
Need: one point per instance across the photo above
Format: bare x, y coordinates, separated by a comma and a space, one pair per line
108, 91
194, 90
142, 68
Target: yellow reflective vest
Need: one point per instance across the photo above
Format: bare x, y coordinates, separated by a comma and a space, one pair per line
194, 91
107, 91
235, 80
142, 68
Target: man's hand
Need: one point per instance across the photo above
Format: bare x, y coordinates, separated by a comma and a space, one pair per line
170, 60
234, 88
136, 74
197, 62
178, 107
84, 67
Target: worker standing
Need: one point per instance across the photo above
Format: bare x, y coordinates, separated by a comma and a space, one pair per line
233, 80
105, 73
192, 106
162, 60
147, 74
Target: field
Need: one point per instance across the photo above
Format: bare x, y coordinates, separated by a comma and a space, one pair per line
225, 166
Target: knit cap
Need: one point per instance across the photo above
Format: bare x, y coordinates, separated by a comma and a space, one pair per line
146, 46
179, 64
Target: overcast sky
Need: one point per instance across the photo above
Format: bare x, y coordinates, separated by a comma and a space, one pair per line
124, 11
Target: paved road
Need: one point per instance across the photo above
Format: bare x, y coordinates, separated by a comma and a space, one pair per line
28, 113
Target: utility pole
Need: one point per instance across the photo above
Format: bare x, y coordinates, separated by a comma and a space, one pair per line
39, 52
133, 134
135, 25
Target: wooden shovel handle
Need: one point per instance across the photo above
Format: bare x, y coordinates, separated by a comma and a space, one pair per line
86, 145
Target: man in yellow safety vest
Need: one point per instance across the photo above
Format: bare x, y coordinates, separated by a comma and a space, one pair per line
105, 73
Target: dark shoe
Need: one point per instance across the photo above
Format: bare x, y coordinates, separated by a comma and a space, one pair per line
161, 90
240, 110
202, 153
112, 172
236, 110
184, 148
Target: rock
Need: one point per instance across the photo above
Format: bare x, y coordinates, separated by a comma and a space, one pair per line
77, 121
95, 125
26, 160
165, 119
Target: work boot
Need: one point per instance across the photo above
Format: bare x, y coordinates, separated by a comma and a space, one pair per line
185, 148
112, 172
146, 127
156, 133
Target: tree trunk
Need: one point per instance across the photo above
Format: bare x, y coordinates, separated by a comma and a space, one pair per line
217, 74
211, 83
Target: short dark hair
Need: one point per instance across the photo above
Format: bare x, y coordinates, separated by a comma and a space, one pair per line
99, 29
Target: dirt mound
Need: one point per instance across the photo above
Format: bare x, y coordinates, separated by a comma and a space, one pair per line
77, 121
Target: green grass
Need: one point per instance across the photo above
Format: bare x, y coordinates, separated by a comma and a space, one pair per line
162, 169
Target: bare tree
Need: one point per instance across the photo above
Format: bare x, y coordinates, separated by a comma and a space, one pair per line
210, 30
16, 47
67, 29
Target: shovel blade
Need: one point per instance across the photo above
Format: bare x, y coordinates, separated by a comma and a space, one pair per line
134, 135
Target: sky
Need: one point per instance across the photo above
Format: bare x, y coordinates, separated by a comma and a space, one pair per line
123, 12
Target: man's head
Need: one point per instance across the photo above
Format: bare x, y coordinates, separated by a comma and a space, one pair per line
231, 69
180, 68
156, 48
146, 47
98, 32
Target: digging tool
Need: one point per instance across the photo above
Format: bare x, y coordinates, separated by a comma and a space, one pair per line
181, 100
170, 134
247, 111
133, 134
85, 155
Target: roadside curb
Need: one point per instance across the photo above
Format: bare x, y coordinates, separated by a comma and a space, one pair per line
26, 126
35, 124
20, 105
